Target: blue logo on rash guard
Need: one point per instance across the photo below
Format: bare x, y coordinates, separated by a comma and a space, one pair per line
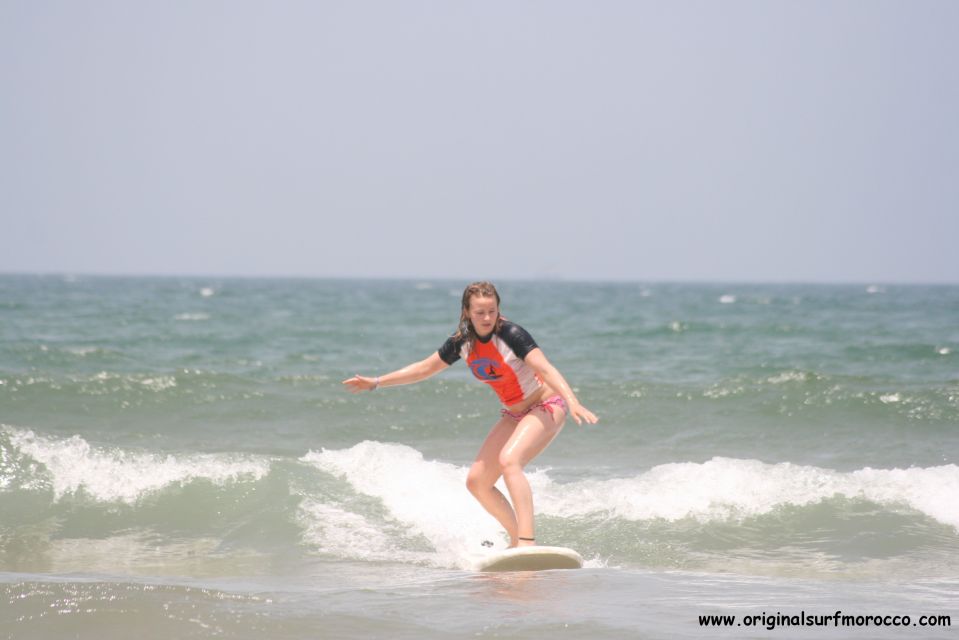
485, 369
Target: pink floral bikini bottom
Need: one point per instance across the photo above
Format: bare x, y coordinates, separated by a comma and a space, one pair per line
550, 404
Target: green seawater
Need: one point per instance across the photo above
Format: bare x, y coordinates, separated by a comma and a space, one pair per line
183, 445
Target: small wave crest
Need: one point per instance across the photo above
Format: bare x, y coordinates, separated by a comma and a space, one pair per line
726, 488
385, 502
428, 498
795, 391
73, 465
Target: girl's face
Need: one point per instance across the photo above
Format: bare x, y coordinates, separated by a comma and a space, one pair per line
484, 312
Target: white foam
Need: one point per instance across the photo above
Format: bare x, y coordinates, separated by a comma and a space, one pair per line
106, 382
717, 391
207, 292
160, 383
18, 471
429, 497
727, 299
192, 317
787, 376
82, 351
341, 532
725, 488
116, 475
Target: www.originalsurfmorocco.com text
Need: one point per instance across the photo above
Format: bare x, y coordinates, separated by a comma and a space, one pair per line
837, 619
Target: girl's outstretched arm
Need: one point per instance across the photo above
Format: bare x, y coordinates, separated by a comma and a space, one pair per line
551, 376
410, 373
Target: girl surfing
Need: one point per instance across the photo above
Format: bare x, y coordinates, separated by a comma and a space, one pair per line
535, 396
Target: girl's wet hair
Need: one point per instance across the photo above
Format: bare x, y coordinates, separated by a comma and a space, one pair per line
483, 289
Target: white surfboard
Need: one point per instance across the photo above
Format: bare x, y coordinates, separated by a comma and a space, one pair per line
531, 559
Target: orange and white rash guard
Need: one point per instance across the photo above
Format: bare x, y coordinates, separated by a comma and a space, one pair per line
498, 361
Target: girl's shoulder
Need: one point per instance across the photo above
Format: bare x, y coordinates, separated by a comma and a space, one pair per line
452, 350
508, 326
516, 338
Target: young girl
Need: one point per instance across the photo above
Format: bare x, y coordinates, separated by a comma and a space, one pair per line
535, 395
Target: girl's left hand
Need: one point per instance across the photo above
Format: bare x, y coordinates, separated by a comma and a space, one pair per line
580, 413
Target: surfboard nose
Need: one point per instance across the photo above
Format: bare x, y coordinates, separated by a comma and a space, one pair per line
531, 559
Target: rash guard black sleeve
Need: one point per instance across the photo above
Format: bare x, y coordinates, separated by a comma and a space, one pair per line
450, 351
518, 339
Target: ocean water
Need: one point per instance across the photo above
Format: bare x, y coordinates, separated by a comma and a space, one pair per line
178, 459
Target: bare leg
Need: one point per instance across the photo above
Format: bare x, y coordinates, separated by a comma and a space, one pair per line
486, 470
531, 436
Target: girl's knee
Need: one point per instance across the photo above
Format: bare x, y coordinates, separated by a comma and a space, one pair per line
478, 480
510, 464
473, 482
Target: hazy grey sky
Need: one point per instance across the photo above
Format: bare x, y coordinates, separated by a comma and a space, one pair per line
759, 141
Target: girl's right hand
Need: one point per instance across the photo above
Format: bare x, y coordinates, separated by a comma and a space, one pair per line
360, 383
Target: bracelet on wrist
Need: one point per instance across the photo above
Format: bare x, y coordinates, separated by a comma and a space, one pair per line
376, 383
